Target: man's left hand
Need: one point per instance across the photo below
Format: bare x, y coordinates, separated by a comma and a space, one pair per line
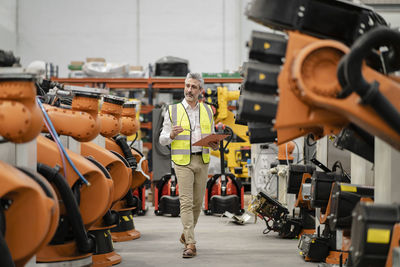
214, 145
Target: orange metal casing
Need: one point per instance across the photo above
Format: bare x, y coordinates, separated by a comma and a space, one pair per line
395, 241
283, 149
294, 117
110, 115
120, 174
32, 218
96, 199
138, 178
310, 71
130, 124
321, 59
81, 122
20, 116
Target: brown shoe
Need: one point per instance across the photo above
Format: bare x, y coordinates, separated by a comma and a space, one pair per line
182, 239
189, 251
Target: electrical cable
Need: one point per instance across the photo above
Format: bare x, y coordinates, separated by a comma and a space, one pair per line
287, 157
134, 140
59, 149
40, 88
230, 136
298, 150
339, 164
308, 140
59, 142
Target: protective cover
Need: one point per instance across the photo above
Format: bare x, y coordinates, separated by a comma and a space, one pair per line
339, 20
106, 70
171, 66
371, 232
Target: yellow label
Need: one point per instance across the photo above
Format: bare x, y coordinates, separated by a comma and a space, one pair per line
257, 107
348, 188
380, 236
125, 218
209, 91
261, 76
266, 45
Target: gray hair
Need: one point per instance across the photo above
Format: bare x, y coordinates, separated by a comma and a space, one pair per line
196, 76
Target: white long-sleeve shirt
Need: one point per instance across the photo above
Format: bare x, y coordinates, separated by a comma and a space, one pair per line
194, 118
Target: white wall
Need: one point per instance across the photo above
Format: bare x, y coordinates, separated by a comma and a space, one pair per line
207, 32
62, 31
211, 34
8, 25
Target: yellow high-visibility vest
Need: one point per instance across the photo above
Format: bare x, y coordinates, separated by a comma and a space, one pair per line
181, 145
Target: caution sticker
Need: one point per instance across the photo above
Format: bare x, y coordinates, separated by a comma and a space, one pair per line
266, 45
348, 188
261, 76
380, 236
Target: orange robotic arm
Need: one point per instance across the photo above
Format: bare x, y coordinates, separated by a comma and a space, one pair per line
129, 127
296, 117
138, 177
30, 208
95, 199
309, 86
130, 124
81, 121
20, 117
110, 116
120, 174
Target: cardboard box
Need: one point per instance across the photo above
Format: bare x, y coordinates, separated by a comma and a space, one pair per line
95, 59
136, 68
77, 63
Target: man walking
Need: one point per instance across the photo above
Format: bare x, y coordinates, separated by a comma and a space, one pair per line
184, 124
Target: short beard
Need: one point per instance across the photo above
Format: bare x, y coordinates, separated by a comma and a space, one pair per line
189, 96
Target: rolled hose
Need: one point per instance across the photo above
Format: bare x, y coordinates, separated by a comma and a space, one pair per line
370, 93
85, 243
5, 255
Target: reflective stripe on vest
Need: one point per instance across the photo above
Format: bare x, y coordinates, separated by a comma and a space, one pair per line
180, 146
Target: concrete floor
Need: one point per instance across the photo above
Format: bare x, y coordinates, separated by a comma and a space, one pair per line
219, 243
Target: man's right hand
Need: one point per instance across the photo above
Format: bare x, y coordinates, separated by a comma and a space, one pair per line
175, 131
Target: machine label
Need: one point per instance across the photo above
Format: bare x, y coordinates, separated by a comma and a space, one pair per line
348, 188
380, 236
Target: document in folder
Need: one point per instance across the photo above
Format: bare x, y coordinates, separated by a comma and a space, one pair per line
210, 138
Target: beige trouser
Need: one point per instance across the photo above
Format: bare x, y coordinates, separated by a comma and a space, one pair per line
192, 180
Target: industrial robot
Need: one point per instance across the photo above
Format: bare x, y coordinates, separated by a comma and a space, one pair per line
138, 166
238, 151
336, 78
87, 188
29, 210
117, 167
